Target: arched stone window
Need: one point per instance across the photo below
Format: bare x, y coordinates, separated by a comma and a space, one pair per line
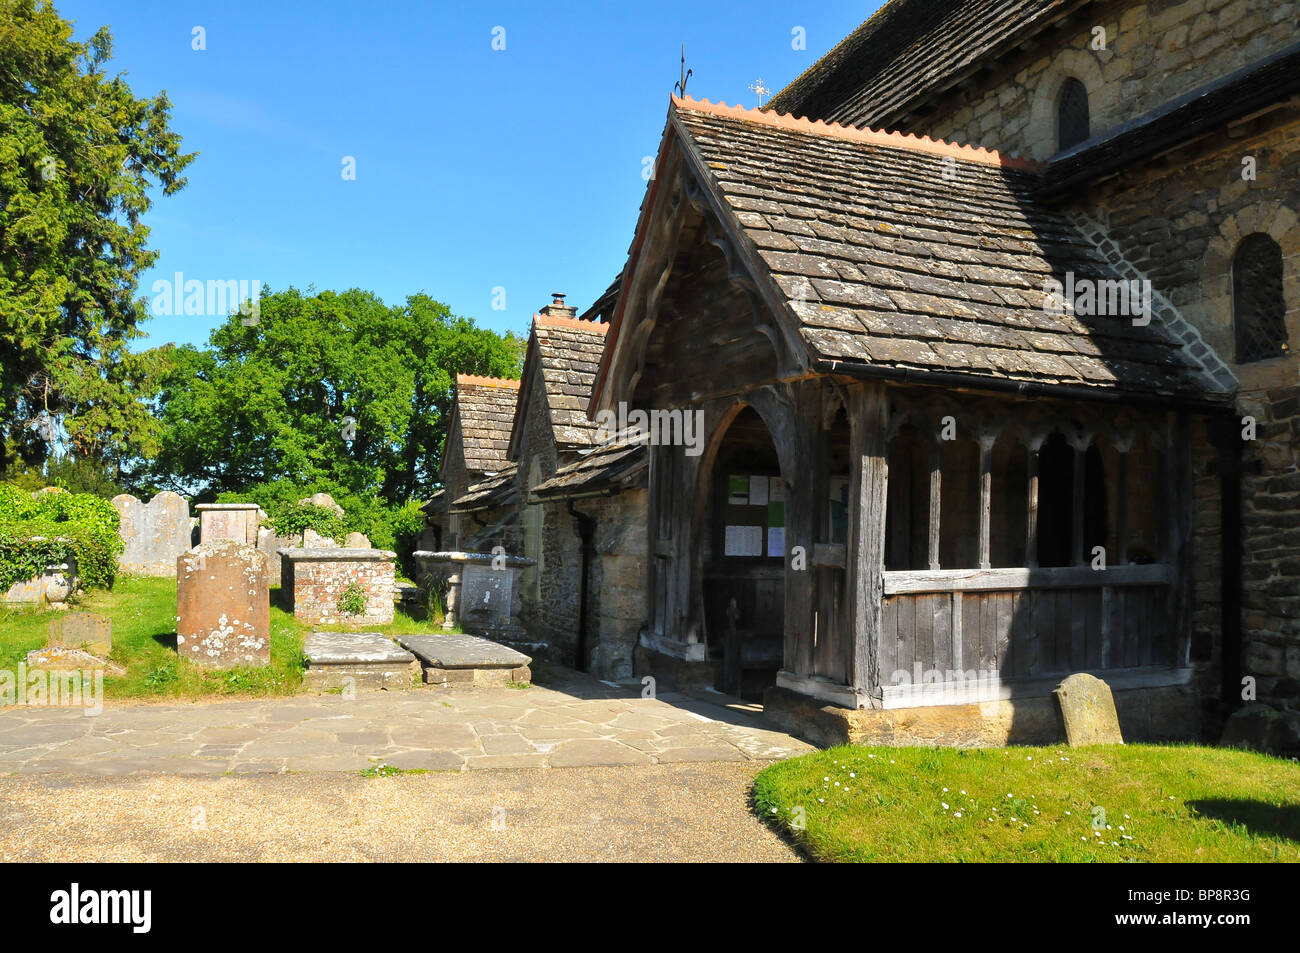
1258, 307
1072, 123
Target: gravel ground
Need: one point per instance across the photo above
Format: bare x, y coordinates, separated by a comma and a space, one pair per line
662, 812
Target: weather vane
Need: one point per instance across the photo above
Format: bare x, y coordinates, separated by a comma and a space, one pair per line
680, 87
761, 90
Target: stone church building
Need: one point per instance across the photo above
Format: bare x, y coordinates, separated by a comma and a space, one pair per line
524, 468
989, 320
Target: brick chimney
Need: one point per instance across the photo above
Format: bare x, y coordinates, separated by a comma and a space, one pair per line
558, 309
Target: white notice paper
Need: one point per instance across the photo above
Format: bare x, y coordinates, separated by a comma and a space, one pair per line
776, 490
776, 541
758, 491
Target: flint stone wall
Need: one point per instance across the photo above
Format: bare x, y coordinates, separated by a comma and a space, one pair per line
153, 533
312, 580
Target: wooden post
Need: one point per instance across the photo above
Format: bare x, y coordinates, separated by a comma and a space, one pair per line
1080, 445
1034, 447
986, 442
868, 412
1123, 444
936, 487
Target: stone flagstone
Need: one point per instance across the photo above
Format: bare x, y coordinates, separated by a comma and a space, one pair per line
1088, 709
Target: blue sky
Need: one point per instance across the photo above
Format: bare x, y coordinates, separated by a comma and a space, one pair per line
475, 168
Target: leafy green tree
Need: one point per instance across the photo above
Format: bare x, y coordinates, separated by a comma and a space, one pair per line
79, 153
326, 386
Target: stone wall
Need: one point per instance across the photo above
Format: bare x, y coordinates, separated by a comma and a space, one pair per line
617, 599
1181, 225
1156, 51
313, 580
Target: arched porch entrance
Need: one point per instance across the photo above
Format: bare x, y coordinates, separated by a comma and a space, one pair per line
741, 550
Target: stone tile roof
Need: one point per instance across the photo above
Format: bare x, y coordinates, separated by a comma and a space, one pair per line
909, 48
485, 407
612, 465
496, 490
908, 255
568, 354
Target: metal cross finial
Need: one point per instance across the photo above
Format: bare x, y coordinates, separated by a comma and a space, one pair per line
761, 90
680, 87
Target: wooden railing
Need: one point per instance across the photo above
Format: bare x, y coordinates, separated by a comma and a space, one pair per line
1024, 624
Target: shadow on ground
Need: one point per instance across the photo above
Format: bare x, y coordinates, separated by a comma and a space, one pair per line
1255, 816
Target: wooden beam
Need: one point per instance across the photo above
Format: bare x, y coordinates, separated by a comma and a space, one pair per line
868, 411
1060, 577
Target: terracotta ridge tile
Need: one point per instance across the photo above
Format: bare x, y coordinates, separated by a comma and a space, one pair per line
486, 381
549, 321
878, 137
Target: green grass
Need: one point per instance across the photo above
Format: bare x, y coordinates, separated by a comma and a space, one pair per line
1162, 803
144, 642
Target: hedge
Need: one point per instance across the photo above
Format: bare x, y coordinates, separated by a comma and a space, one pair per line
43, 529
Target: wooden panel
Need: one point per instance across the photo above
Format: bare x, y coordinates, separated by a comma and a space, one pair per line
1092, 625
972, 643
942, 651
906, 653
1023, 658
1061, 632
889, 638
1006, 605
1079, 602
924, 645
1044, 632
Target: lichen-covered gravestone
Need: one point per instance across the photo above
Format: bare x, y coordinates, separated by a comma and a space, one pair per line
223, 605
153, 534
83, 630
1088, 709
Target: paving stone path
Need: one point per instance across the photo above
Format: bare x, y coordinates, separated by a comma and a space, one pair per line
571, 722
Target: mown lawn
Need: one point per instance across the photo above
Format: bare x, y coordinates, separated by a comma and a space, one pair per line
1133, 803
144, 642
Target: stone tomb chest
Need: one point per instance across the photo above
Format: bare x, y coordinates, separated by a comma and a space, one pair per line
315, 580
480, 592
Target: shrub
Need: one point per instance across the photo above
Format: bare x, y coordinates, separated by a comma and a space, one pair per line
353, 600
302, 516
45, 529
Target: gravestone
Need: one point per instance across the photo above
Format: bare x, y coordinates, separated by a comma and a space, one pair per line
83, 630
1088, 709
467, 659
356, 541
314, 540
153, 534
270, 545
326, 501
237, 521
485, 595
223, 605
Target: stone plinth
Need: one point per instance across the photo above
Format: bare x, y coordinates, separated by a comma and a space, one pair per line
223, 605
358, 660
237, 521
153, 534
480, 592
467, 660
314, 579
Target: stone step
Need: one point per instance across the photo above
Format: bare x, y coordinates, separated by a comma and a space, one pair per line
370, 660
467, 659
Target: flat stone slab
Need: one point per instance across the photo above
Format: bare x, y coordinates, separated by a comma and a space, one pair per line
353, 648
463, 651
